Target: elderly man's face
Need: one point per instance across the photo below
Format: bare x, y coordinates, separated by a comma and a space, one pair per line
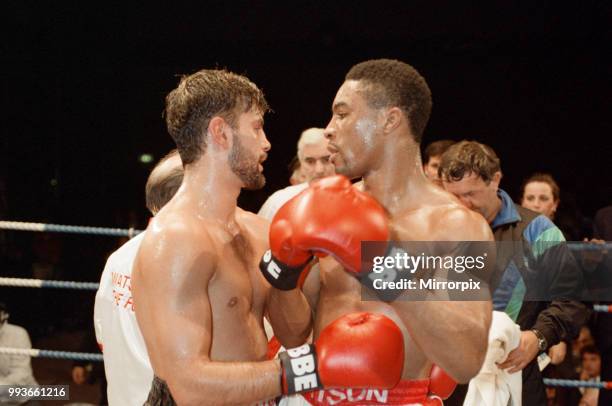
314, 161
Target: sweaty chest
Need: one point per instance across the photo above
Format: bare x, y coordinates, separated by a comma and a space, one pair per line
237, 285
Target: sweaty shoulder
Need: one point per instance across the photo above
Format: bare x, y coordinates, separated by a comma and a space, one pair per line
171, 239
436, 215
442, 221
458, 223
255, 224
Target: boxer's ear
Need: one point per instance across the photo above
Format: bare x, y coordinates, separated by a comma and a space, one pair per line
392, 119
218, 132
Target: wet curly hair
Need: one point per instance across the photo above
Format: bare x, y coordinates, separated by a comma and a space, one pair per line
201, 96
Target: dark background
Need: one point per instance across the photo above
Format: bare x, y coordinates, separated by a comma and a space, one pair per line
84, 87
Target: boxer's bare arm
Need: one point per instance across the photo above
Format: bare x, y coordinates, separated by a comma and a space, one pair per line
290, 311
453, 334
171, 277
312, 286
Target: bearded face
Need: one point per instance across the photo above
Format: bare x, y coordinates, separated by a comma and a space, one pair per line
246, 165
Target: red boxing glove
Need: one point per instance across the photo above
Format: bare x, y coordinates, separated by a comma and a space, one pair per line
359, 350
440, 383
330, 216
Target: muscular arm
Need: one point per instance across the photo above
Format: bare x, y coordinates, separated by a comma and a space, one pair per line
453, 334
170, 285
290, 311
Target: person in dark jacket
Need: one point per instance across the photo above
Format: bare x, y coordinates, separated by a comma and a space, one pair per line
537, 281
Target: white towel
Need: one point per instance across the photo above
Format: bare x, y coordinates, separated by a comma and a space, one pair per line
494, 386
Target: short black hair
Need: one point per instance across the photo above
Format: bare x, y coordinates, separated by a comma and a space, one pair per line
390, 82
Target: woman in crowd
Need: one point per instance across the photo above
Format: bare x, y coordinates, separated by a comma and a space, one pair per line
540, 193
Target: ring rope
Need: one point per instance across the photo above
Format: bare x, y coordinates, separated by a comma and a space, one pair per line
571, 383
36, 353
588, 246
131, 232
60, 228
41, 283
602, 308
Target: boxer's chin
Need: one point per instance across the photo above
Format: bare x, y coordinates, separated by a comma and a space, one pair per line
250, 175
246, 166
343, 169
340, 164
255, 182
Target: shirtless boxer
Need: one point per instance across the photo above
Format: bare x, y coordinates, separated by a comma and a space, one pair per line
379, 115
198, 295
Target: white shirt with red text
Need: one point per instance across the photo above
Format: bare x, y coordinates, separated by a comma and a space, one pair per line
126, 362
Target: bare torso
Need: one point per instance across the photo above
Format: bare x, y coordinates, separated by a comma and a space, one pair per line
238, 292
221, 276
341, 293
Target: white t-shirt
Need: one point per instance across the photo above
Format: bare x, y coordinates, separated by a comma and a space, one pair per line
126, 362
14, 369
278, 199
